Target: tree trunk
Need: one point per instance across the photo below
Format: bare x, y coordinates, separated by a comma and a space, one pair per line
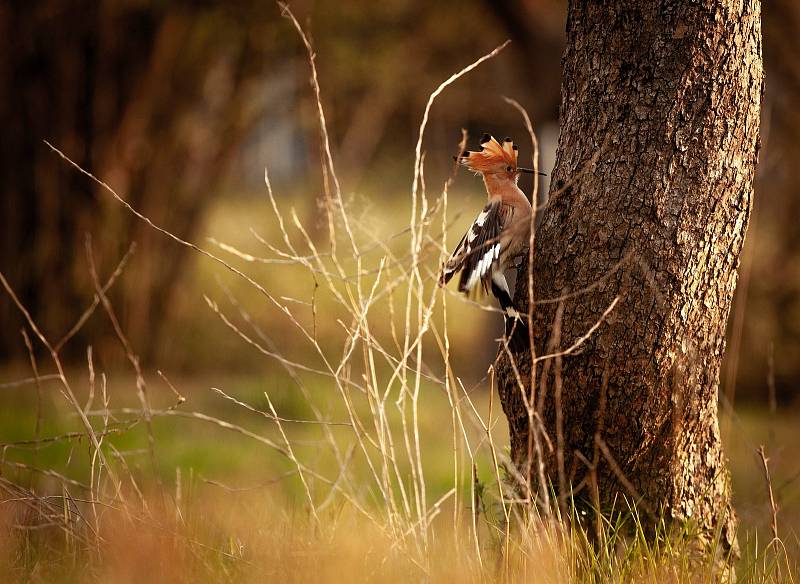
670, 93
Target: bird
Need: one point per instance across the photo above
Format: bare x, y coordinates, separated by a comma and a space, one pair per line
500, 232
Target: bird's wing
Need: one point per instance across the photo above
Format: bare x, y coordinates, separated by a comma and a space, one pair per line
479, 248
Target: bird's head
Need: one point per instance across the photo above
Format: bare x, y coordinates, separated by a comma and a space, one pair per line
494, 158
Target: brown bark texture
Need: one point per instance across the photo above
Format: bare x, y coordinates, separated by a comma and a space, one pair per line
669, 93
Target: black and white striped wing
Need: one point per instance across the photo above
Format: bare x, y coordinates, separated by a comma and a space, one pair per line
479, 249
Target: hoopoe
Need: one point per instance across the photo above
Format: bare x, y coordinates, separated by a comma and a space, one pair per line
500, 232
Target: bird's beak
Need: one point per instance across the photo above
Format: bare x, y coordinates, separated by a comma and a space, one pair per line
531, 171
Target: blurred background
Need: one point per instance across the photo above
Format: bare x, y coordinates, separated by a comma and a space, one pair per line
180, 105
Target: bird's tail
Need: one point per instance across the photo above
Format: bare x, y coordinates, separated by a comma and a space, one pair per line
517, 335
516, 326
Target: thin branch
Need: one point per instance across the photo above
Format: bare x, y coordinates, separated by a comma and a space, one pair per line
773, 506
583, 338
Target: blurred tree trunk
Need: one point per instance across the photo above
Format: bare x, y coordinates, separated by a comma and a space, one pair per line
154, 98
670, 91
774, 290
45, 92
538, 39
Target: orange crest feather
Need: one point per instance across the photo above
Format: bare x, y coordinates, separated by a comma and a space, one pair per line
492, 157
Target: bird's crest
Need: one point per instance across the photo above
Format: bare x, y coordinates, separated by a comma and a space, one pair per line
492, 157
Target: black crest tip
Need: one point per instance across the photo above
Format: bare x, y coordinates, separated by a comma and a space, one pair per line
507, 139
485, 138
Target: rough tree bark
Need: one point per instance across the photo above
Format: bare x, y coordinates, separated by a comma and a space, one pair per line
670, 93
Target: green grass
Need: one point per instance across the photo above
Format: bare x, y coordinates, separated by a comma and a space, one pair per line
206, 450
216, 520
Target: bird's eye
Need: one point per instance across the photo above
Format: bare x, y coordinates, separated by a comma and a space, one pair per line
508, 169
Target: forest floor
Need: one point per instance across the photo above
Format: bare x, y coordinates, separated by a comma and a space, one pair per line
242, 508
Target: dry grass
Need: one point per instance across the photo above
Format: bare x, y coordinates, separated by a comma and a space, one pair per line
371, 348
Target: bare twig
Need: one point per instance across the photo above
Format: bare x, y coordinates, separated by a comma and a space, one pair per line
773, 506
96, 300
35, 368
557, 390
638, 499
141, 386
326, 146
584, 337
29, 381
68, 393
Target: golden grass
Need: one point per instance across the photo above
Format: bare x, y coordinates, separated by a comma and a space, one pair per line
394, 465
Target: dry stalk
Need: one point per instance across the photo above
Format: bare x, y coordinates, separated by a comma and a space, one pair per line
66, 387
419, 209
35, 368
96, 300
535, 428
293, 457
773, 506
367, 372
29, 381
557, 389
612, 462
326, 147
141, 386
